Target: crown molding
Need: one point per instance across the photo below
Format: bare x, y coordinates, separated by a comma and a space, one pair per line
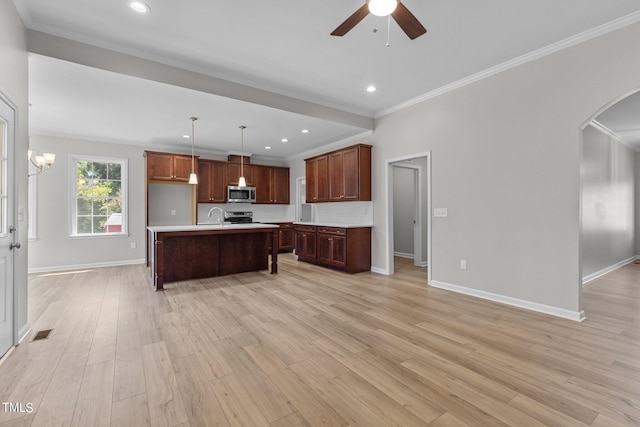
603, 29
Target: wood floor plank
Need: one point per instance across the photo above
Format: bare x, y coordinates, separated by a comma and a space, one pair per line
165, 403
237, 404
95, 397
131, 412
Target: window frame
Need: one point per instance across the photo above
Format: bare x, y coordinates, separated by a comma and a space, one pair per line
73, 205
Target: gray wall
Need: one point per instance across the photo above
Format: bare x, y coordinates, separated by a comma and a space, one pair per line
14, 85
403, 210
53, 248
608, 202
506, 162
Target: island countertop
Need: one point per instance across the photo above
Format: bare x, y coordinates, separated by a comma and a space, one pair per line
207, 227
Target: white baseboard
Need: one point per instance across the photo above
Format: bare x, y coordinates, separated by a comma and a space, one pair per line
424, 264
593, 276
577, 316
23, 332
85, 266
403, 255
378, 270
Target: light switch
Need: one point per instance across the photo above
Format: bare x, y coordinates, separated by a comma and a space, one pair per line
440, 212
173, 211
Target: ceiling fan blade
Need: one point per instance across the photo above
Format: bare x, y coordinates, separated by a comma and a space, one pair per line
351, 21
408, 22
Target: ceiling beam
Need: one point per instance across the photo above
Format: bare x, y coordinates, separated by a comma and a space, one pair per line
110, 60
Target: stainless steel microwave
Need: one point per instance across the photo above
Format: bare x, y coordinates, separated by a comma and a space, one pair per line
241, 194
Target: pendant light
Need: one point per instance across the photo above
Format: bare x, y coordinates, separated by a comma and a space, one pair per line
193, 178
242, 182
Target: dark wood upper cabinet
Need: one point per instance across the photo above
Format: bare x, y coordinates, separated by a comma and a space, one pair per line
233, 173
212, 181
317, 179
168, 167
341, 175
272, 184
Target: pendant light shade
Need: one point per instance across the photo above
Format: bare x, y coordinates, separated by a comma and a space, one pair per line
241, 181
382, 7
193, 178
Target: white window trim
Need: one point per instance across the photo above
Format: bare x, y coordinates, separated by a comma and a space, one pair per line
124, 173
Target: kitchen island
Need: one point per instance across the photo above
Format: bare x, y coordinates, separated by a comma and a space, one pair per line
189, 252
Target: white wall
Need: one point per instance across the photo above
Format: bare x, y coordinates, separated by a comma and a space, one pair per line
53, 248
505, 162
14, 85
608, 202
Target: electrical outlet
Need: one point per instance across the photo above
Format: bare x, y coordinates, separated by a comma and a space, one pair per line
133, 245
463, 264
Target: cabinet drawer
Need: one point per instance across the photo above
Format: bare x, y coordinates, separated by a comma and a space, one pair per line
285, 224
333, 230
306, 228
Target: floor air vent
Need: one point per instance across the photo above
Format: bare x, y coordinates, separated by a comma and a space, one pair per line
40, 335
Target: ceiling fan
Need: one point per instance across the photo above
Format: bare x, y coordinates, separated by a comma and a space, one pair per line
405, 19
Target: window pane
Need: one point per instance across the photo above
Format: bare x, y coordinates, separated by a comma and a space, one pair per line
115, 171
99, 224
84, 207
115, 206
84, 225
113, 188
99, 207
100, 170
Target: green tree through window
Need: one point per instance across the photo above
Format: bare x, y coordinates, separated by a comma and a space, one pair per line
99, 197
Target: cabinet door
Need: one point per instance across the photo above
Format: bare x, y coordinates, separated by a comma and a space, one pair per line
311, 181
182, 168
286, 237
218, 182
306, 244
322, 178
204, 181
336, 177
280, 185
262, 180
351, 175
233, 174
332, 249
159, 167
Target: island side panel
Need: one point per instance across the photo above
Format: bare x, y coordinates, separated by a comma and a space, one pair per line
190, 257
245, 252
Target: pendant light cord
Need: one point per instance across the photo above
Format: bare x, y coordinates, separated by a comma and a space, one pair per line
193, 139
242, 128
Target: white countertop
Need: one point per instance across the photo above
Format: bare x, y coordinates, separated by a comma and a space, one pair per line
205, 227
333, 224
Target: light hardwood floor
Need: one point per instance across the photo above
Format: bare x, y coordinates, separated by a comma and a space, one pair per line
312, 347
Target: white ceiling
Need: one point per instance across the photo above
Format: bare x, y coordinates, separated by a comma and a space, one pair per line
279, 46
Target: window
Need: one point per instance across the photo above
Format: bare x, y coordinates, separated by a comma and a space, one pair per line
98, 202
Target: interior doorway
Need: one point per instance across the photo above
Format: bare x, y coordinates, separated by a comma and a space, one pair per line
418, 167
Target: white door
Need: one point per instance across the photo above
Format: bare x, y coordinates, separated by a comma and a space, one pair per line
7, 231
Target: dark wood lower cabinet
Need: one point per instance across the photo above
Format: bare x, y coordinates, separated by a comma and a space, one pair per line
286, 234
347, 249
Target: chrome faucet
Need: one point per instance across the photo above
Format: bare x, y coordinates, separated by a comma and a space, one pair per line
220, 214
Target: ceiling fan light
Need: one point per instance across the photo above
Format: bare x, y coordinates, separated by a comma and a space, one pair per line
382, 7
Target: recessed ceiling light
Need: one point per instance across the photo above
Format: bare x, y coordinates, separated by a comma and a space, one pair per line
139, 6
284, 140
371, 88
186, 136
267, 148
305, 130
